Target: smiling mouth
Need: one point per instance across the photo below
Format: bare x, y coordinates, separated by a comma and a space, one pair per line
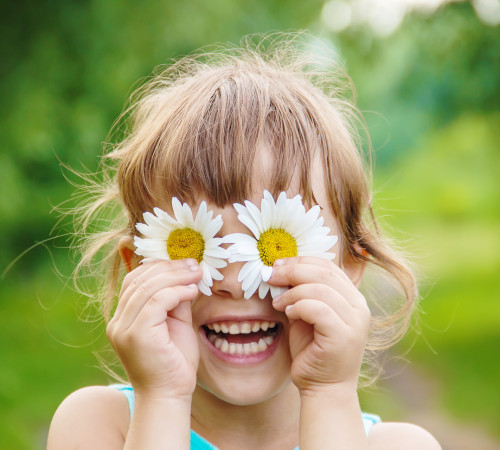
242, 338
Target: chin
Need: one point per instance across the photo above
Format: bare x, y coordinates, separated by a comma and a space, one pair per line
243, 390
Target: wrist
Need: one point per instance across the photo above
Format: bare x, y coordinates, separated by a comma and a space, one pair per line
330, 418
158, 396
159, 422
329, 391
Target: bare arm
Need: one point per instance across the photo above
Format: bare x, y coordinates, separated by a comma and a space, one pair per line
329, 330
331, 420
95, 418
152, 334
98, 418
160, 424
401, 436
329, 324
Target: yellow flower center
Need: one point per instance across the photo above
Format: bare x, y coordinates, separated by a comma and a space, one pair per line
185, 243
274, 244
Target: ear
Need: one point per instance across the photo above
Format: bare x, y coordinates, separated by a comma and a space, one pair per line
353, 267
127, 253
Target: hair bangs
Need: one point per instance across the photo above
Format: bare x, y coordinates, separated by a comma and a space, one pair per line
207, 145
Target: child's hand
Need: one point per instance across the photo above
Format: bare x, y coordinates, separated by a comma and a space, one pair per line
329, 323
151, 330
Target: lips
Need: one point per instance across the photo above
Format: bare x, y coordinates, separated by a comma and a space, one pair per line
248, 340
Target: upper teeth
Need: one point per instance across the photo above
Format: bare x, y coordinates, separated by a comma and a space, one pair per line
240, 327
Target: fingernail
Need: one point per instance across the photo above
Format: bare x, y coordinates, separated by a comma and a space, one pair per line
276, 300
191, 264
192, 286
288, 308
280, 262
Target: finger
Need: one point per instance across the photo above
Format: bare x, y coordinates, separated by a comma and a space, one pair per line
182, 312
320, 292
323, 318
153, 288
155, 266
323, 262
156, 310
305, 270
158, 275
140, 291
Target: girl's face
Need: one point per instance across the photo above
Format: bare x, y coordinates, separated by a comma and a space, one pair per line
230, 370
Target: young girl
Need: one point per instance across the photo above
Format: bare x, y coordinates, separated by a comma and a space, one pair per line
244, 234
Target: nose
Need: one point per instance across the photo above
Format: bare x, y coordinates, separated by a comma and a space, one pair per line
229, 286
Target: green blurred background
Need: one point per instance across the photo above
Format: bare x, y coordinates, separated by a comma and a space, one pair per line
428, 81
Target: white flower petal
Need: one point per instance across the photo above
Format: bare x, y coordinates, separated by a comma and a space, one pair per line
244, 249
308, 219
216, 275
187, 215
266, 273
289, 214
204, 289
249, 268
282, 212
162, 219
251, 283
253, 287
254, 213
213, 274
266, 208
177, 207
241, 257
250, 224
295, 219
327, 255
146, 244
202, 218
277, 290
151, 232
217, 252
205, 277
217, 263
213, 227
315, 246
158, 227
239, 238
263, 289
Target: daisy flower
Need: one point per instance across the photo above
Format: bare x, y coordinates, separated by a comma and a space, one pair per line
184, 237
280, 229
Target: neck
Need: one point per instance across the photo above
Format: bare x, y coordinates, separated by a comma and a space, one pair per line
274, 423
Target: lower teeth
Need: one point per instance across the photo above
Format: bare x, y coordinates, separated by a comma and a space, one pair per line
250, 348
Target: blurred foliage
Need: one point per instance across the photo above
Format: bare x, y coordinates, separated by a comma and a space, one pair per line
430, 93
428, 73
445, 196
66, 74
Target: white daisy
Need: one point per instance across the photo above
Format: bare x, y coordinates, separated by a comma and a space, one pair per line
184, 237
280, 230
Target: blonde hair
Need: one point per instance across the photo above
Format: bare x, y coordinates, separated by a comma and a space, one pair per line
194, 128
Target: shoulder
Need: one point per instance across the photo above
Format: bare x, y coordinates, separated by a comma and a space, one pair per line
396, 436
99, 409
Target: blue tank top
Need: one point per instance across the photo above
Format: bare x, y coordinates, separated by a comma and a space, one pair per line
199, 443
